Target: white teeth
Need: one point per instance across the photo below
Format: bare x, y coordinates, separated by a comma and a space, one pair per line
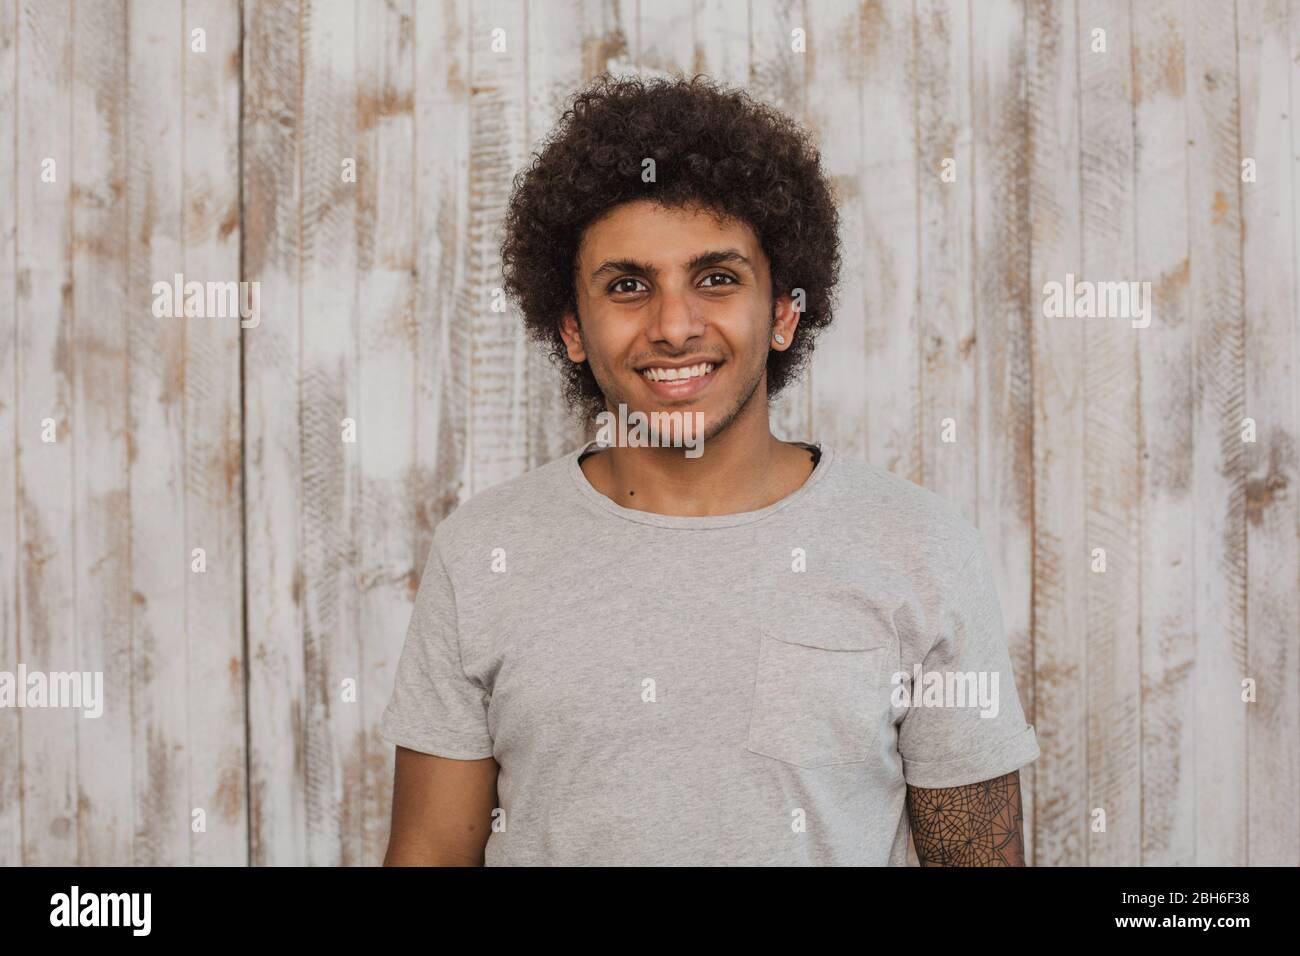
677, 374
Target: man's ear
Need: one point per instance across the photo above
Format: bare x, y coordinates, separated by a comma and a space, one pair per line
785, 321
572, 337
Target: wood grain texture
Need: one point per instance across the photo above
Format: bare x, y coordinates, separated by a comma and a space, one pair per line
11, 820
389, 336
442, 294
497, 442
1003, 313
1061, 553
273, 569
1110, 402
1218, 452
331, 234
1264, 30
160, 547
225, 690
843, 37
779, 76
567, 47
945, 376
213, 496
46, 471
947, 427
102, 314
881, 206
1167, 506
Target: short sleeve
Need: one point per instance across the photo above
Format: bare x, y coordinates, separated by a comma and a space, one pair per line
435, 708
965, 722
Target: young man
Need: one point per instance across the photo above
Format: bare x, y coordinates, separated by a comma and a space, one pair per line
765, 653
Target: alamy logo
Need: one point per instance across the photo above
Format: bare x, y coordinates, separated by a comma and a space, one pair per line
102, 909
1098, 300
656, 430
179, 299
55, 689
946, 689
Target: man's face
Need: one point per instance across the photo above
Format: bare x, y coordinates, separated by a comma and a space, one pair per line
676, 312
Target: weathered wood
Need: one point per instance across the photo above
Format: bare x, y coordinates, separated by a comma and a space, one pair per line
331, 296
1167, 507
945, 200
778, 76
442, 294
160, 545
947, 427
389, 337
855, 63
274, 576
1003, 315
665, 42
45, 385
1110, 404
213, 454
1218, 452
1061, 553
720, 41
102, 315
874, 388
11, 821
1265, 55
497, 442
566, 49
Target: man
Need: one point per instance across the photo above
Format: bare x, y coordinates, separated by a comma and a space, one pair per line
763, 654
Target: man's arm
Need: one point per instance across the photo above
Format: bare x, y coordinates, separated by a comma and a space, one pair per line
442, 810
978, 824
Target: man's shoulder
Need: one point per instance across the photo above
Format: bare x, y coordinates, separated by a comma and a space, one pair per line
505, 509
901, 515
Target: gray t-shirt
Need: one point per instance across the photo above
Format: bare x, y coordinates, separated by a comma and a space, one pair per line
720, 690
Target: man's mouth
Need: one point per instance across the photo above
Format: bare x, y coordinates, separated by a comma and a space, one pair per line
683, 382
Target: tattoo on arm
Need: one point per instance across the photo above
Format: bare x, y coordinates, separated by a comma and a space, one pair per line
975, 825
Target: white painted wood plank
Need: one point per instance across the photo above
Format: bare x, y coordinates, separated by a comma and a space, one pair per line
1219, 457
1168, 606
331, 103
778, 76
1110, 371
389, 337
497, 443
1061, 557
859, 81
1264, 56
272, 191
11, 824
46, 472
101, 444
213, 455
945, 306
1003, 304
160, 548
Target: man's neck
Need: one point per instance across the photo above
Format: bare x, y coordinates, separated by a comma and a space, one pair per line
732, 476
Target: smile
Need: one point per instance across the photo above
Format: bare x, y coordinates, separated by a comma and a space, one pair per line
677, 374
679, 383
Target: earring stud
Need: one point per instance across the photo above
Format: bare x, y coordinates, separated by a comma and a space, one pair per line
780, 339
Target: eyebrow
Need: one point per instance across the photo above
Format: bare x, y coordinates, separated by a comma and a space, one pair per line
714, 257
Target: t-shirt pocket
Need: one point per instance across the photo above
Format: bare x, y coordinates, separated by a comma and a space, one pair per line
819, 692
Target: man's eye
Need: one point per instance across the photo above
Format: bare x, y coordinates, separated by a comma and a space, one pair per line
730, 278
619, 282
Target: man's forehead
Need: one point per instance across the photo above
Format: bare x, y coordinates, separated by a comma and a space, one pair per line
635, 233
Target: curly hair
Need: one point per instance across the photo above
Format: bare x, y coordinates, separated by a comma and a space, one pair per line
713, 148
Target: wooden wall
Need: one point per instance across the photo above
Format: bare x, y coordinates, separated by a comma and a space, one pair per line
225, 688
